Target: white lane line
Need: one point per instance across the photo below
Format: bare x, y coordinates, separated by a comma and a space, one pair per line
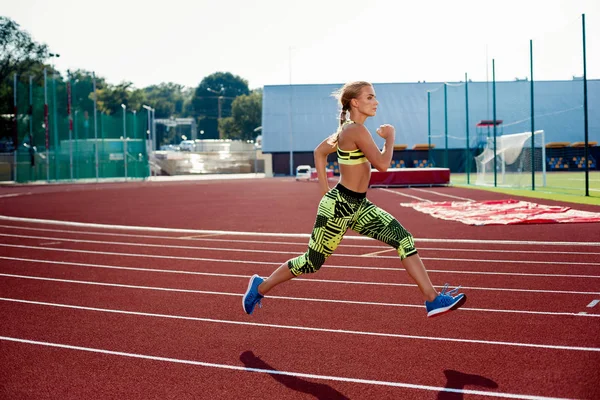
470, 260
374, 253
277, 372
313, 329
33, 260
405, 195
211, 238
277, 234
593, 303
390, 284
14, 194
317, 300
442, 194
488, 289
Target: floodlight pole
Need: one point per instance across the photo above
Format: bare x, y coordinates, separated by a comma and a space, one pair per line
124, 107
532, 117
149, 138
585, 112
46, 128
428, 127
494, 122
446, 125
468, 154
96, 125
54, 117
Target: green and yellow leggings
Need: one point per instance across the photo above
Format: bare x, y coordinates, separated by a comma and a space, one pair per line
342, 209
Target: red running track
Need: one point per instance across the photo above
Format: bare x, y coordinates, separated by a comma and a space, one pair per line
97, 312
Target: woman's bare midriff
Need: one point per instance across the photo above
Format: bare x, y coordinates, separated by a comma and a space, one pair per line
356, 177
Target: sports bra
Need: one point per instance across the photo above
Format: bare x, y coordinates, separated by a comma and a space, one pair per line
351, 157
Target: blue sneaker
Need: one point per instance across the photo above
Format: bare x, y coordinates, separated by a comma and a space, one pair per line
445, 302
252, 297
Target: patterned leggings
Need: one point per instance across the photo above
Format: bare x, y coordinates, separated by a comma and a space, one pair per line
342, 209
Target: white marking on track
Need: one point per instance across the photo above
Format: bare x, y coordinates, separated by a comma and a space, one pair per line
314, 329
276, 234
405, 195
14, 194
312, 279
593, 303
471, 260
210, 238
371, 303
442, 194
276, 372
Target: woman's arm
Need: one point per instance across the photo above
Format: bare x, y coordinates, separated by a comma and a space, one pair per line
380, 159
320, 154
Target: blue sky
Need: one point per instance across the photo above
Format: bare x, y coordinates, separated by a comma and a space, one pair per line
271, 42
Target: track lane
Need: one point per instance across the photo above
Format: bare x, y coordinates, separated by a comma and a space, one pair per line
408, 317
354, 357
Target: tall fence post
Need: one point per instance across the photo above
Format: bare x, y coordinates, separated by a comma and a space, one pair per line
585, 112
532, 117
468, 153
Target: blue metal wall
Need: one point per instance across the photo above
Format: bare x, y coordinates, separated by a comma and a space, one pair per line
303, 115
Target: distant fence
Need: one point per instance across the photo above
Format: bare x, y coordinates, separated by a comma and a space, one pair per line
60, 136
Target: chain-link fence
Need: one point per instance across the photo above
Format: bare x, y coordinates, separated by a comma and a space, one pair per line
60, 135
483, 130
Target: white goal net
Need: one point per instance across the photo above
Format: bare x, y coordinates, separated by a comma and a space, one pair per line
516, 162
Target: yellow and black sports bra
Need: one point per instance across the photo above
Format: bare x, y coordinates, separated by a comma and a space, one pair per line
351, 157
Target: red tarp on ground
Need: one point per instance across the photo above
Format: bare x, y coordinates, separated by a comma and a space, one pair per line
502, 212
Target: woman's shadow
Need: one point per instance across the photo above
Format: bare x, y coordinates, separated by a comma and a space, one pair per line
458, 380
319, 390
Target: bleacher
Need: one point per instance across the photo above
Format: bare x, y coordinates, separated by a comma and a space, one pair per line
398, 164
422, 164
579, 162
334, 166
565, 156
556, 163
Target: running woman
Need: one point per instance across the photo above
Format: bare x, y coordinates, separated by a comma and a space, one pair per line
346, 206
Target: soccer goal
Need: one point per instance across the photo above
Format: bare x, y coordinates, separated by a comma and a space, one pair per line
514, 159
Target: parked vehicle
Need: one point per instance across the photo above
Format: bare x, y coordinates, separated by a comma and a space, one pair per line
187, 145
303, 172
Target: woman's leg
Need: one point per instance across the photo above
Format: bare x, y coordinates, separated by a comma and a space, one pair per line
333, 218
377, 223
278, 276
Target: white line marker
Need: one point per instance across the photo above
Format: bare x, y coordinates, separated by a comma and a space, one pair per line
442, 194
276, 372
14, 194
175, 271
313, 299
211, 238
222, 249
593, 303
276, 234
312, 329
374, 253
405, 195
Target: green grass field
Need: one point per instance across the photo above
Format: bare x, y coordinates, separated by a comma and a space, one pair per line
560, 186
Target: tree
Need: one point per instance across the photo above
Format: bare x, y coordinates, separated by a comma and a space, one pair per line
19, 54
215, 93
111, 97
246, 116
168, 99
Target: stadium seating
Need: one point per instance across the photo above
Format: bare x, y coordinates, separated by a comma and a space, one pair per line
398, 164
557, 163
579, 162
333, 165
422, 164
